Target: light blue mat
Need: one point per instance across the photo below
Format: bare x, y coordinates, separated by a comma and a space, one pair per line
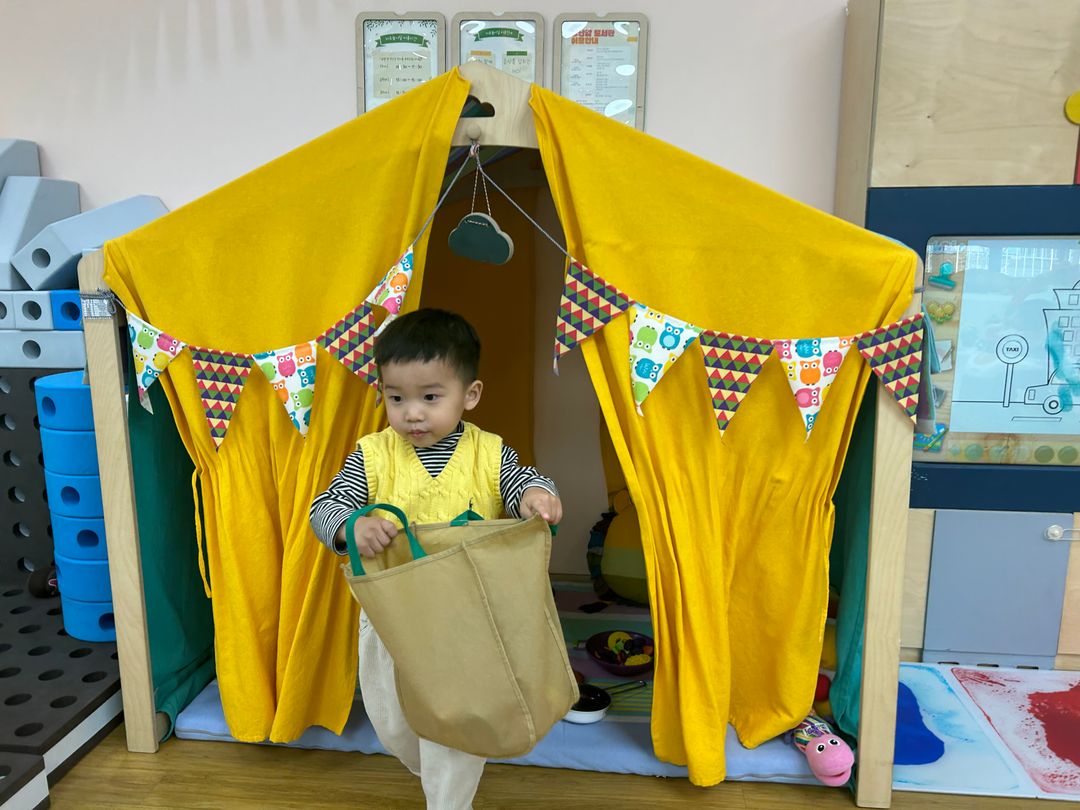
613, 745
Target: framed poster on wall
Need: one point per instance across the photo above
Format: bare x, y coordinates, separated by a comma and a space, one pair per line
600, 62
395, 53
513, 43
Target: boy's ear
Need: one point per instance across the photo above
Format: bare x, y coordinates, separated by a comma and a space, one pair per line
472, 394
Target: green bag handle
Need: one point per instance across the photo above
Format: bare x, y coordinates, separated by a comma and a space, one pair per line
464, 518
350, 541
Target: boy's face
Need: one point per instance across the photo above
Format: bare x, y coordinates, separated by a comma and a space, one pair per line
425, 400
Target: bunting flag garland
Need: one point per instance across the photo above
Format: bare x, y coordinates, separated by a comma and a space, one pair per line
152, 350
656, 342
894, 353
291, 372
732, 363
587, 304
352, 342
391, 291
811, 366
221, 377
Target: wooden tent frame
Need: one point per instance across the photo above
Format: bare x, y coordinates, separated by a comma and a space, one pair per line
511, 126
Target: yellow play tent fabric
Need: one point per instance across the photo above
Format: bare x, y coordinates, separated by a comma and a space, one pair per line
735, 533
270, 260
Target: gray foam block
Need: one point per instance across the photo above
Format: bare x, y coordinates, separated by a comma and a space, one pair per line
18, 158
33, 310
19, 349
28, 204
7, 311
49, 261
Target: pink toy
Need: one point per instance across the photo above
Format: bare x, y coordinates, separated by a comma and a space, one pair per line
829, 757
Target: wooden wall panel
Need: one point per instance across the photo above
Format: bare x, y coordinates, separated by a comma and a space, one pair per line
972, 92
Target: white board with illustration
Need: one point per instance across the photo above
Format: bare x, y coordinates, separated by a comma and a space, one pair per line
1005, 312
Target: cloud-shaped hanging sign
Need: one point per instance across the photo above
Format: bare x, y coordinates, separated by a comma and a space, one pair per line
478, 237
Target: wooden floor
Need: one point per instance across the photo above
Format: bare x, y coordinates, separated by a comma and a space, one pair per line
189, 774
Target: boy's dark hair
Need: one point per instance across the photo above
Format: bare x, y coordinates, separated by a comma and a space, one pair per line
431, 334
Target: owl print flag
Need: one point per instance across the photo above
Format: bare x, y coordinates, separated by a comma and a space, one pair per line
811, 366
152, 350
656, 342
391, 291
291, 372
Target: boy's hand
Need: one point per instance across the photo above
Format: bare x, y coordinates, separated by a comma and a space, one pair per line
538, 501
372, 535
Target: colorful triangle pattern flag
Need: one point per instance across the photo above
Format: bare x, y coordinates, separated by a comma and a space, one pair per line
352, 342
152, 350
391, 291
587, 304
732, 363
811, 366
894, 353
656, 342
291, 372
220, 377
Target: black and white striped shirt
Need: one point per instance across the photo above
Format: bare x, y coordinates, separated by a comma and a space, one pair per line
349, 489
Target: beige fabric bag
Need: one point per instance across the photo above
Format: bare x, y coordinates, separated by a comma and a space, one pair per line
466, 612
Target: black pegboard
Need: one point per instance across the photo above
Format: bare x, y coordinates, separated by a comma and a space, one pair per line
25, 533
49, 682
16, 770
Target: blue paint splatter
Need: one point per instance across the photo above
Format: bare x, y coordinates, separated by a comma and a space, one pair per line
1063, 369
915, 743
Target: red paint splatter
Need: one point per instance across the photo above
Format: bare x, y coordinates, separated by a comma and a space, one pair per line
975, 676
1059, 713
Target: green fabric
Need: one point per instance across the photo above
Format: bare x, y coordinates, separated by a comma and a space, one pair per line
178, 616
847, 564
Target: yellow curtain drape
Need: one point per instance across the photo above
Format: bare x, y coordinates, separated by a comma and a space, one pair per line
266, 261
735, 532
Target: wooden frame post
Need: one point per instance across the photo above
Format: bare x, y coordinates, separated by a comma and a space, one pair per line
891, 488
889, 498
105, 372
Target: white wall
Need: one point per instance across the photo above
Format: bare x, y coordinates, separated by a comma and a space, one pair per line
174, 97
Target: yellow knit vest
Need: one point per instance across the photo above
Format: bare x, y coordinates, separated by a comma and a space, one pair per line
469, 480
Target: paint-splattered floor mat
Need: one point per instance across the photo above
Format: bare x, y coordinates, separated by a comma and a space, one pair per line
988, 731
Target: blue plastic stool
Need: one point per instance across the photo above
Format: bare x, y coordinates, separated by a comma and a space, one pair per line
63, 402
74, 495
88, 621
69, 452
79, 538
85, 580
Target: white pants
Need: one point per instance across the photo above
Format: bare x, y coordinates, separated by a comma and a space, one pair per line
449, 777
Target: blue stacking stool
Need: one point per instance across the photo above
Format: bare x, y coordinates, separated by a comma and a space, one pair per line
74, 491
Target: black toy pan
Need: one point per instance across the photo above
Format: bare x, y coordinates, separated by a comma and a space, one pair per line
594, 702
